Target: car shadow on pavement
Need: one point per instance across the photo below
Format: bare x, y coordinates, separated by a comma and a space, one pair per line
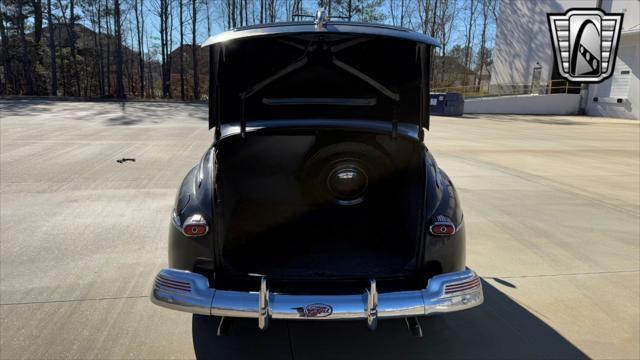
499, 328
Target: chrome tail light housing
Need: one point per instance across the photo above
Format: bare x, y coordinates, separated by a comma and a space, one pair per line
194, 226
443, 226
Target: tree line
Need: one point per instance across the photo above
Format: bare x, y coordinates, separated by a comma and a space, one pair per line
149, 48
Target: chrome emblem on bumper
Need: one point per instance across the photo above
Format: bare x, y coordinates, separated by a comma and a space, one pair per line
317, 310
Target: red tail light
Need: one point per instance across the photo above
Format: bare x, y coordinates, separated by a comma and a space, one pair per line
442, 227
194, 230
195, 225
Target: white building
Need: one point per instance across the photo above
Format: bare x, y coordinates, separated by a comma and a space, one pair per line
523, 43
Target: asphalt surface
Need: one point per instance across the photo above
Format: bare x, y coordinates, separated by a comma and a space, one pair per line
552, 209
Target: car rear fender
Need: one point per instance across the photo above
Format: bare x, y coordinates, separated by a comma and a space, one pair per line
194, 198
442, 253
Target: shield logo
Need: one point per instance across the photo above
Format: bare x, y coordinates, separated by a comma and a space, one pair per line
585, 42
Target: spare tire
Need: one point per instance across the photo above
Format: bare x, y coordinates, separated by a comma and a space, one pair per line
343, 173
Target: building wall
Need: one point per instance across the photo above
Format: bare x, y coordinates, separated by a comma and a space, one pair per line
522, 39
630, 8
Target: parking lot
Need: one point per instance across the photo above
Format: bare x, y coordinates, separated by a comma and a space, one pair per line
552, 209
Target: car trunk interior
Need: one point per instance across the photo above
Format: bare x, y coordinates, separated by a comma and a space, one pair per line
283, 218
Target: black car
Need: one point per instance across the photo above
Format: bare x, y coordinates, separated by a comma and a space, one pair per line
318, 198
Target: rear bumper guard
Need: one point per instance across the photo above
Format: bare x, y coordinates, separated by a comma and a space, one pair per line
190, 292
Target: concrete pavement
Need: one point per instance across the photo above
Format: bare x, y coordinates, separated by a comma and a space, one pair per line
552, 209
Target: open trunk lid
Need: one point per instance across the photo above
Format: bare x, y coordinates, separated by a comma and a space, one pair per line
303, 71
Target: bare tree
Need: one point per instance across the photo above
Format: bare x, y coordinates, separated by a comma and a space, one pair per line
150, 86
26, 59
140, 39
118, 30
169, 36
246, 14
206, 2
446, 20
253, 12
71, 24
194, 50
488, 12
163, 14
8, 78
423, 15
101, 75
52, 51
37, 20
89, 10
350, 9
272, 11
36, 5
468, 48
129, 68
398, 16
108, 64
162, 45
433, 34
233, 14
296, 9
181, 52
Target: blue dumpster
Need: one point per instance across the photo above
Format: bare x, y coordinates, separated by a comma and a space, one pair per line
448, 104
436, 104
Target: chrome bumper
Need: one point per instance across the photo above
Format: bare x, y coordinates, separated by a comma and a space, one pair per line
190, 292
